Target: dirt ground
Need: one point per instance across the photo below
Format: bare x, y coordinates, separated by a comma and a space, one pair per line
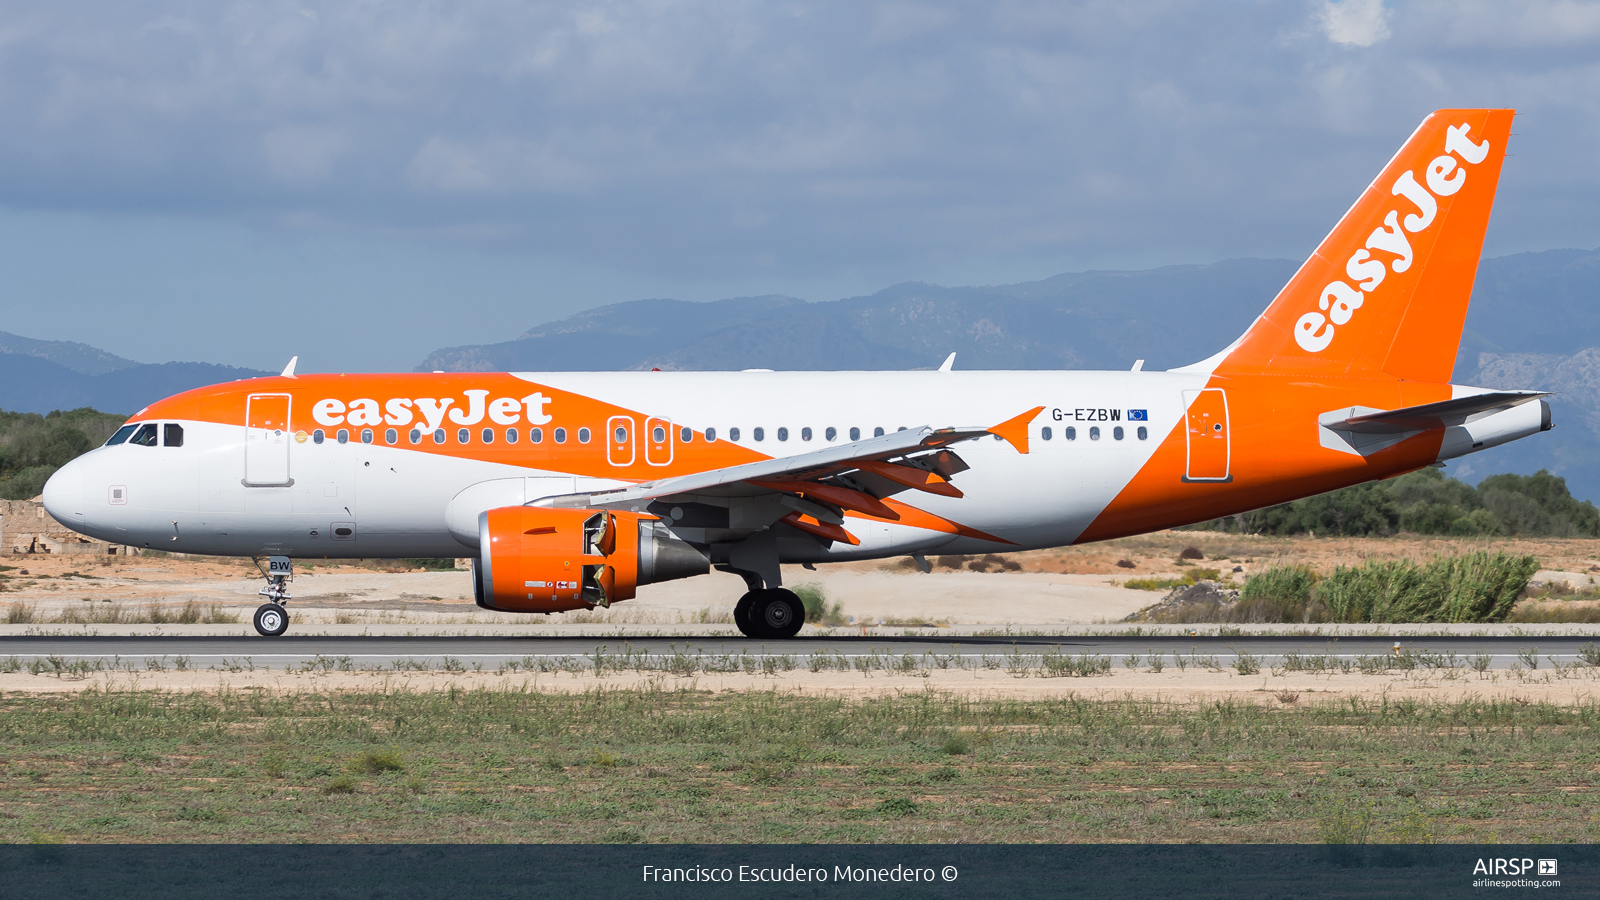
1569, 686
1065, 586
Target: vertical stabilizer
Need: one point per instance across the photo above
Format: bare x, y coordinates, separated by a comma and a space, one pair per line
1386, 292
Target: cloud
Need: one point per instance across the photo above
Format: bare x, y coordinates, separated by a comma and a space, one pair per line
770, 143
1360, 23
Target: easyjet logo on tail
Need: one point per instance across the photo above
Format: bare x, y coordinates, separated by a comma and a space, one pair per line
1339, 301
432, 410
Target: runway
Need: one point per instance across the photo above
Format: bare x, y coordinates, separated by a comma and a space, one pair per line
414, 652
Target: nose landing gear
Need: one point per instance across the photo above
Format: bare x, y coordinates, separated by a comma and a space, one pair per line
272, 619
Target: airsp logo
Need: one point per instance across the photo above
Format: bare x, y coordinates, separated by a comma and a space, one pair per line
1339, 300
1499, 866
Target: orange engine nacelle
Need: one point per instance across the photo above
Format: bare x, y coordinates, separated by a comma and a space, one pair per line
536, 559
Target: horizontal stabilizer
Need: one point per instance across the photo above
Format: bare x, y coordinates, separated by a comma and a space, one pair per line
1412, 419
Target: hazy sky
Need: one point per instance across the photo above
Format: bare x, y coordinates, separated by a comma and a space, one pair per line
363, 182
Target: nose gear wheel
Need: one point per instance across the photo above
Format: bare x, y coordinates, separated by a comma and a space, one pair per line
271, 620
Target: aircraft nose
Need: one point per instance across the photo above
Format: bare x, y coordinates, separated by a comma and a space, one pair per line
63, 494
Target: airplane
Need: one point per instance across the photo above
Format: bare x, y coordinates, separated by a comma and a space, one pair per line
571, 489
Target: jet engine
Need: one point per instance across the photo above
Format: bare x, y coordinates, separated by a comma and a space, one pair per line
535, 559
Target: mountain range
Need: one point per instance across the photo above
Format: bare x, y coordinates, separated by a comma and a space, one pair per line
1534, 323
39, 376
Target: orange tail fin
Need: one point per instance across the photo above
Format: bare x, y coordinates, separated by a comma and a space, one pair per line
1386, 292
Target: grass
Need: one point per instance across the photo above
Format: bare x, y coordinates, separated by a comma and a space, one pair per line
1472, 587
106, 612
1469, 588
1167, 584
657, 765
818, 610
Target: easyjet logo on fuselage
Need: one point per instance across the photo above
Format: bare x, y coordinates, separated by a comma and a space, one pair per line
1339, 300
432, 411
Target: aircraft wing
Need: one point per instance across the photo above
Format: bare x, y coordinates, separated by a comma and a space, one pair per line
809, 491
804, 467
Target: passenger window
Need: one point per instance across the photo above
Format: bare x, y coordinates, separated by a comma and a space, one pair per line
831, 434
172, 435
758, 433
711, 435
391, 436
438, 435
121, 435
877, 432
805, 434
583, 435
1045, 433
855, 434
733, 435
488, 435
561, 435
1117, 432
415, 435
1094, 432
1144, 433
145, 436
344, 436
463, 436
686, 435
317, 436
536, 435
366, 435
511, 435
1070, 434
783, 433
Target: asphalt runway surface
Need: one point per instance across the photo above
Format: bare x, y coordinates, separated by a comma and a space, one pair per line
367, 652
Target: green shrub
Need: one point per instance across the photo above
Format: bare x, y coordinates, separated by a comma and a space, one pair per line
818, 610
1428, 502
1474, 587
1281, 583
376, 762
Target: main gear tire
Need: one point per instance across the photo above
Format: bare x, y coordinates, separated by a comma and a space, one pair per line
776, 613
741, 614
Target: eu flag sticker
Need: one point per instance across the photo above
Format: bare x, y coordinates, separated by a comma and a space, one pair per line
1138, 415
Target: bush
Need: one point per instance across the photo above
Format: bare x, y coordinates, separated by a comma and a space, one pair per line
376, 762
1428, 502
818, 610
1281, 583
1475, 587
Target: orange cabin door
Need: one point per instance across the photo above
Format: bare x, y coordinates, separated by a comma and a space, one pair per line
1207, 432
266, 440
658, 442
619, 440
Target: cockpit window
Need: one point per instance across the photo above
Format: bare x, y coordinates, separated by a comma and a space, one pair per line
145, 436
122, 434
172, 435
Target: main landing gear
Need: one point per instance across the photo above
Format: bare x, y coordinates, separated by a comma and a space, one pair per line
770, 613
272, 618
